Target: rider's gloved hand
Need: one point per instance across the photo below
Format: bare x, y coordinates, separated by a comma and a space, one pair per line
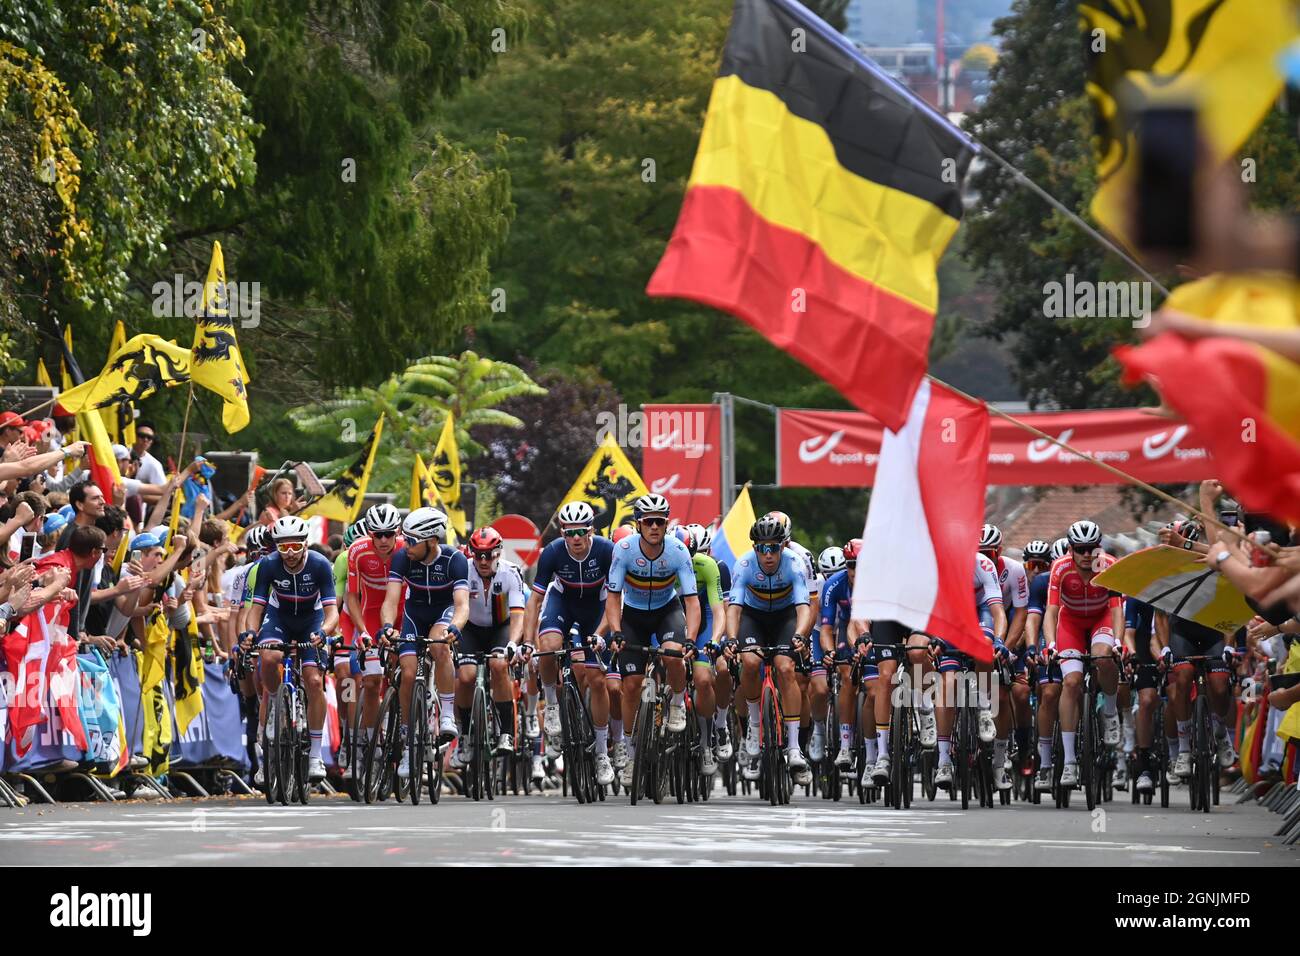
596, 643
616, 641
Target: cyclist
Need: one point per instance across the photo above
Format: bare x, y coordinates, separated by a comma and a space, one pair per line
369, 559
1083, 618
1015, 599
770, 609
568, 593
293, 600
993, 622
428, 591
1037, 559
838, 633
812, 687
496, 623
710, 702
1145, 639
647, 570
1043, 656
343, 681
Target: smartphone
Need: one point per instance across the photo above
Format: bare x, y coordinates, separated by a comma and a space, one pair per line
1229, 518
27, 547
1167, 150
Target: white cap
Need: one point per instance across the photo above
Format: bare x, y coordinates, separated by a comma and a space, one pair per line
121, 451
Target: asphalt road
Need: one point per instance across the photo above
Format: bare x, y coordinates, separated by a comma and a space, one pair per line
552, 830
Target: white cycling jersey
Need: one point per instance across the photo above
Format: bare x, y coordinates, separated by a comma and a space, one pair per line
1013, 581
809, 568
987, 589
491, 602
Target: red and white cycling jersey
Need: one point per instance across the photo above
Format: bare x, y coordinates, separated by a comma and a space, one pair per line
987, 589
368, 578
1067, 589
1014, 583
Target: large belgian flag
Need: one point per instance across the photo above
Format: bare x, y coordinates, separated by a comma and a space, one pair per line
822, 196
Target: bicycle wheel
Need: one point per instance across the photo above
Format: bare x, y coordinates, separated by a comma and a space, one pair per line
1202, 752
731, 769
270, 762
770, 747
284, 743
965, 756
302, 747
416, 724
899, 750
356, 748
643, 782
381, 772
1088, 749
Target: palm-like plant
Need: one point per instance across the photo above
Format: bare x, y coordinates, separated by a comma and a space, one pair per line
415, 404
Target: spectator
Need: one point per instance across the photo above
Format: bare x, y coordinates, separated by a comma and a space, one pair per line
88, 505
282, 502
151, 470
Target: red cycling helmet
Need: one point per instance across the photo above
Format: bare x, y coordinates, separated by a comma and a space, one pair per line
621, 532
852, 549
485, 539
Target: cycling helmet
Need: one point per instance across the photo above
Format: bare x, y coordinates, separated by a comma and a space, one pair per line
1084, 534
650, 505
1189, 528
684, 536
289, 528
577, 512
621, 532
783, 519
853, 549
353, 531
768, 528
382, 517
831, 560
990, 537
1038, 550
1060, 548
255, 540
699, 538
424, 523
486, 539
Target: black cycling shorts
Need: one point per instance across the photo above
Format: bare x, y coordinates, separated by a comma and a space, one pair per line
667, 624
481, 639
772, 630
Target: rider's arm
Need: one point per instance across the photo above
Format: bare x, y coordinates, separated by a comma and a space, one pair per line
1130, 639
532, 612
614, 610
1049, 622
1117, 617
733, 620
1016, 631
999, 620
1159, 633
459, 574
692, 604
392, 598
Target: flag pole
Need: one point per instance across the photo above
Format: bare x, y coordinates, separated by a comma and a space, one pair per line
1131, 479
185, 425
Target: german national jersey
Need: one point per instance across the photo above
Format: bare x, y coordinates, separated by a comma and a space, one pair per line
576, 580
431, 586
295, 596
754, 588
647, 583
1067, 589
490, 602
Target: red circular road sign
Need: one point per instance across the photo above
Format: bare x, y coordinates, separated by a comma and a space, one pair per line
522, 539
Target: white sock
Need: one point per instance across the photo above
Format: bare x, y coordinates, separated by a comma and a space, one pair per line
1067, 742
846, 736
819, 728
317, 737
1044, 751
882, 740
753, 715
1108, 705
1174, 745
873, 752
704, 725
1184, 735
602, 740
720, 718
679, 699
532, 703
549, 691
792, 734
999, 752
945, 750
616, 728
448, 702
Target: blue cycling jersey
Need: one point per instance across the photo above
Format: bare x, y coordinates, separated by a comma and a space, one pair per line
754, 588
646, 583
579, 581
837, 600
432, 585
295, 596
724, 579
1038, 592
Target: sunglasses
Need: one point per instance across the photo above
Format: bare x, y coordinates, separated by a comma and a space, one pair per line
143, 436
767, 548
654, 522
291, 547
486, 555
1082, 550
577, 532
383, 534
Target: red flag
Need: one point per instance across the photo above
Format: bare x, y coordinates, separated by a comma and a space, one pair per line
1244, 403
65, 683
26, 647
924, 520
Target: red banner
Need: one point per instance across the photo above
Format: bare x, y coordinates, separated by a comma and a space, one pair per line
683, 459
825, 449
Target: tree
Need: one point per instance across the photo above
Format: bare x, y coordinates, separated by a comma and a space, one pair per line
415, 406
533, 467
832, 11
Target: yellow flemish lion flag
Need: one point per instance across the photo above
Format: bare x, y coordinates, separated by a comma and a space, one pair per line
609, 484
1219, 54
136, 369
424, 493
217, 364
446, 474
153, 700
343, 501
43, 374
119, 419
187, 674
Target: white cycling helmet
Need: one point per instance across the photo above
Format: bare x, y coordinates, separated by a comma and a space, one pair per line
382, 517
1038, 550
990, 537
650, 505
700, 538
1084, 534
424, 523
831, 560
1060, 548
289, 528
577, 513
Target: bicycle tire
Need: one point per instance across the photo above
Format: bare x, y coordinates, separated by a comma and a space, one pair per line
356, 749
644, 756
769, 745
417, 723
1089, 757
302, 748
284, 744
372, 756
1203, 752
568, 745
385, 732
899, 756
270, 761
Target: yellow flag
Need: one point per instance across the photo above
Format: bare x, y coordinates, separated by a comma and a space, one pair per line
119, 418
1263, 300
216, 362
446, 474
1221, 55
43, 374
120, 557
343, 501
187, 675
424, 493
609, 484
135, 370
174, 522
152, 661
65, 375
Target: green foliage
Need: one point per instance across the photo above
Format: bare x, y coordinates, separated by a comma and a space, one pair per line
832, 11
415, 404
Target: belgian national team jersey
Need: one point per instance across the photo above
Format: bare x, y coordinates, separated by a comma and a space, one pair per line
785, 587
647, 583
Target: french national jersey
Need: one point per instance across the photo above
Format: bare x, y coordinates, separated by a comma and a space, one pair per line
576, 580
295, 597
432, 586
